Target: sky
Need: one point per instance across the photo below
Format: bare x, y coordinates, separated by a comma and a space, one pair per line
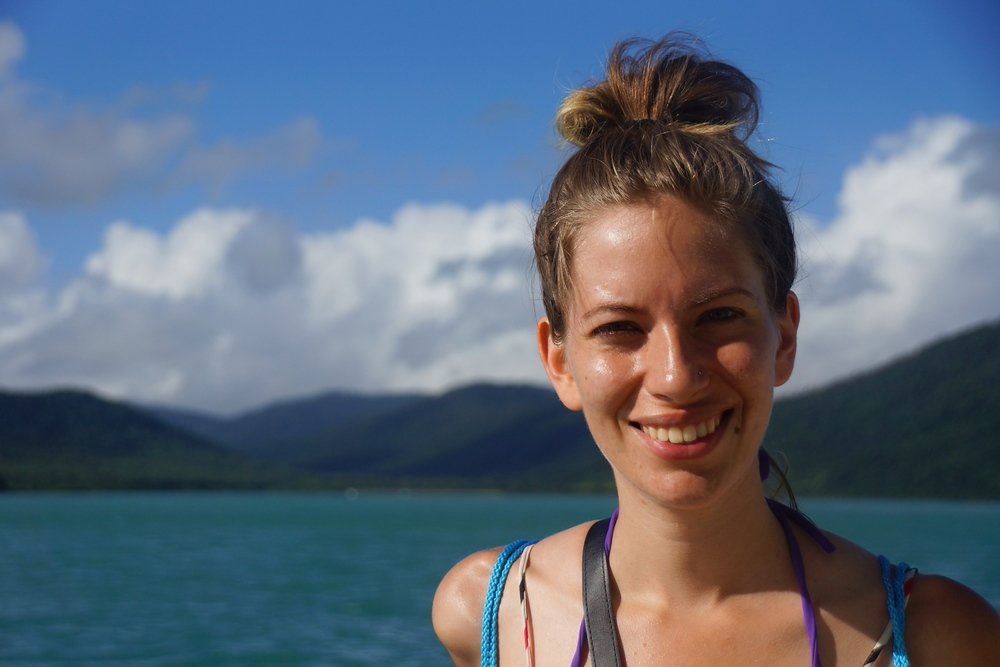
217, 205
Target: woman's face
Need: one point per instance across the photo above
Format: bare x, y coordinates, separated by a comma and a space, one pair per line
671, 350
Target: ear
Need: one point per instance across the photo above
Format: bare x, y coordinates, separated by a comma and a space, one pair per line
553, 355
788, 327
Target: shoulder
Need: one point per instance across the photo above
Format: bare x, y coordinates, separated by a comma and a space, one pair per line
950, 624
457, 612
947, 623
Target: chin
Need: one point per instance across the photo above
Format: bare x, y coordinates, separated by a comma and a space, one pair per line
678, 489
687, 490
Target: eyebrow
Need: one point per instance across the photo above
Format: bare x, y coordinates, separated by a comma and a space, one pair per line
606, 308
713, 294
699, 299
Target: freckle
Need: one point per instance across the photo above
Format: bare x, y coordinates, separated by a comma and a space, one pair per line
737, 430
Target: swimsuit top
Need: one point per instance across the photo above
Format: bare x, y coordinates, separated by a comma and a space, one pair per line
896, 578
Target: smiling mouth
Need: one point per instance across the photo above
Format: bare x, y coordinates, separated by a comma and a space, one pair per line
679, 435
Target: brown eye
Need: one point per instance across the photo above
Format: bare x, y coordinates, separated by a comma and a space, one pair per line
720, 315
614, 329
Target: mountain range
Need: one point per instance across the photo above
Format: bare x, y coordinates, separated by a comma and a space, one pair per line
927, 425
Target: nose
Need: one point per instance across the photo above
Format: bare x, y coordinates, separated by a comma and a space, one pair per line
674, 369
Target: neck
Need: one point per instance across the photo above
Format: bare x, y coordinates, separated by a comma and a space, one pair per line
731, 546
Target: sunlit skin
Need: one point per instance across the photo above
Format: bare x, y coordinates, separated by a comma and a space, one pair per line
669, 325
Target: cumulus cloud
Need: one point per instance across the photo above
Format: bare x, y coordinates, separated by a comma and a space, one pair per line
912, 254
184, 264
20, 259
23, 306
231, 308
11, 47
59, 153
265, 256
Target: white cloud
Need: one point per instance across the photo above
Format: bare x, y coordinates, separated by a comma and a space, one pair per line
60, 153
292, 146
20, 259
11, 48
187, 263
913, 255
427, 299
231, 308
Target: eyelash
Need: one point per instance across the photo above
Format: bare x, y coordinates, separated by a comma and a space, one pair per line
720, 315
614, 329
714, 316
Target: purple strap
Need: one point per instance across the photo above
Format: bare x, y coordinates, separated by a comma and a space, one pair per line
611, 532
785, 515
803, 522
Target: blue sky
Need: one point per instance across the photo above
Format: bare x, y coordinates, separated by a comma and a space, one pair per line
155, 155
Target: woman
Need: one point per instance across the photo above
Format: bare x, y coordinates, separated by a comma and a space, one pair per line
666, 260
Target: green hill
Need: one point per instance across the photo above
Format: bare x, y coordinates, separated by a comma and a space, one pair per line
265, 432
479, 435
74, 440
482, 435
927, 425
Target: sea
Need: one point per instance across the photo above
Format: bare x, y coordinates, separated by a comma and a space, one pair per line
219, 579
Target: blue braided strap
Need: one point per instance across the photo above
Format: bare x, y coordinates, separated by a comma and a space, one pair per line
894, 579
491, 610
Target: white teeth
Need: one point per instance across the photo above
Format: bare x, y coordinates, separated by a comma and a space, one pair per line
679, 435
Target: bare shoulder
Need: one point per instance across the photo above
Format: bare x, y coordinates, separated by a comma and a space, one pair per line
950, 624
947, 623
457, 612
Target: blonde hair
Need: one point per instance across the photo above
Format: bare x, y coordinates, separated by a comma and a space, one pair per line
667, 120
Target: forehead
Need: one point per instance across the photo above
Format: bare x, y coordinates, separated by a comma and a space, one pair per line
666, 249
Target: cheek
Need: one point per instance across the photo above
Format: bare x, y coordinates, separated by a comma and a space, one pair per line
750, 373
748, 363
603, 379
595, 376
600, 369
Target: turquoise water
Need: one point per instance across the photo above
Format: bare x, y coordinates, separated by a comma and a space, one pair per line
224, 579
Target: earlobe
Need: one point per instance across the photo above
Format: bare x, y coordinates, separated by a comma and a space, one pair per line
788, 327
553, 355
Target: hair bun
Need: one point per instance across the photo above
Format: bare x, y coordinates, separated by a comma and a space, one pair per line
670, 83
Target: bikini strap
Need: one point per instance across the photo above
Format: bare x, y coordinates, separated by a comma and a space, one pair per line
490, 645
798, 566
897, 580
522, 593
803, 522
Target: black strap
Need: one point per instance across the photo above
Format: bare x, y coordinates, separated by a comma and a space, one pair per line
602, 635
